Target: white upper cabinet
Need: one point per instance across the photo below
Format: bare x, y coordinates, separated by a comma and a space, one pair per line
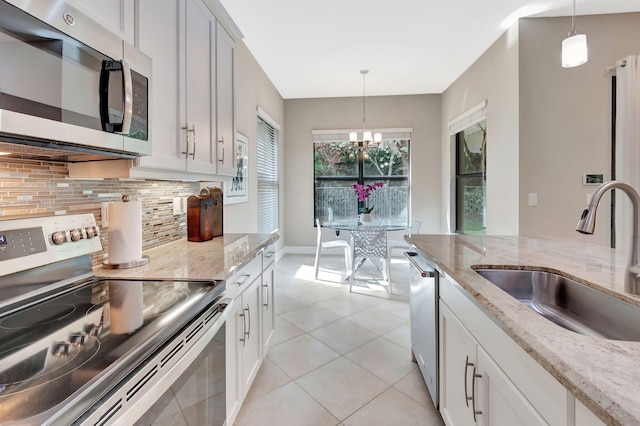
115, 15
226, 154
197, 112
192, 93
158, 36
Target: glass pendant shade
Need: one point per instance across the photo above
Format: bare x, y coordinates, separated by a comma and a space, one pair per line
574, 50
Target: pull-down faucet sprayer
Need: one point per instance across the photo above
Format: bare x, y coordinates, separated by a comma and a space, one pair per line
587, 225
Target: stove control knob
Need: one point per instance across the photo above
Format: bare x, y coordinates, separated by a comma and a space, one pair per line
59, 237
91, 231
61, 349
94, 330
78, 339
76, 234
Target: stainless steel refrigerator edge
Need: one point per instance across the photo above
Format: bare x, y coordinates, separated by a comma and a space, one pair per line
423, 303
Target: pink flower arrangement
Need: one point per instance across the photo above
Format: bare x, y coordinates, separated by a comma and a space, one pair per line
363, 192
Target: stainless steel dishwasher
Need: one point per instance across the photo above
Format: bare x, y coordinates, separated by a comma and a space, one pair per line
423, 302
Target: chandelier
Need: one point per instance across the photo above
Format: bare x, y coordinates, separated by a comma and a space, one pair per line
364, 140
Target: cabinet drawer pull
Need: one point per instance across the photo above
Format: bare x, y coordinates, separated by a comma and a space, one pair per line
269, 255
473, 394
467, 364
246, 277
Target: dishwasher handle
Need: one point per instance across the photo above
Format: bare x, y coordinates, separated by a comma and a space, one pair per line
424, 274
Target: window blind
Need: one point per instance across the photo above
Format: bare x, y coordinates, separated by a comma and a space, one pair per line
268, 184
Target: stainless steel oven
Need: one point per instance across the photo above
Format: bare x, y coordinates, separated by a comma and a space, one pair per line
65, 79
76, 349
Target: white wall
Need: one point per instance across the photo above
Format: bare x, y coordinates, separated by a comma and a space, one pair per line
494, 78
565, 120
421, 112
254, 89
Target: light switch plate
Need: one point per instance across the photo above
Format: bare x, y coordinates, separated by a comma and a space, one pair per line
177, 205
104, 214
533, 198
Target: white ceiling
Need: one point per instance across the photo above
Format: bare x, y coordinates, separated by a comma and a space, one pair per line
312, 49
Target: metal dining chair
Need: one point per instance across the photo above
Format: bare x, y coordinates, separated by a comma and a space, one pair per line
403, 245
331, 245
370, 242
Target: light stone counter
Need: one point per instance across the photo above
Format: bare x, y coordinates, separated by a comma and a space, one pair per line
215, 259
603, 374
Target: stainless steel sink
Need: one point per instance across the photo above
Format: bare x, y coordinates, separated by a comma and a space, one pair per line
568, 303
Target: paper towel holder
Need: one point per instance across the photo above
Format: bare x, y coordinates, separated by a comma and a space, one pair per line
124, 265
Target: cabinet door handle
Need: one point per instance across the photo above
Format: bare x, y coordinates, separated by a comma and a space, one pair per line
467, 364
249, 315
267, 287
243, 339
473, 394
246, 277
192, 130
221, 141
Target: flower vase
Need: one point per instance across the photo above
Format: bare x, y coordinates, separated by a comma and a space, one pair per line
365, 217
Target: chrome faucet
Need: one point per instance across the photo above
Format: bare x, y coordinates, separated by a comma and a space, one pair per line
587, 225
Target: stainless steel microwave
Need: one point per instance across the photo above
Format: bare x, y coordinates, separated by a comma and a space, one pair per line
66, 82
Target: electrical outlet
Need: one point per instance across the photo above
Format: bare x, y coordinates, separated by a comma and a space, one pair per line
184, 205
104, 214
177, 206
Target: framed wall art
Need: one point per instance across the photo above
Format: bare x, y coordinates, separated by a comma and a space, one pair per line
236, 190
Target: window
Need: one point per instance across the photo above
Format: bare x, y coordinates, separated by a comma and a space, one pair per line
268, 184
471, 161
338, 166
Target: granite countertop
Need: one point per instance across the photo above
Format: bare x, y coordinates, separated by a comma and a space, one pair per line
209, 260
603, 374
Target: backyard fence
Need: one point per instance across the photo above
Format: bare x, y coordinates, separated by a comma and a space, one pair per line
333, 203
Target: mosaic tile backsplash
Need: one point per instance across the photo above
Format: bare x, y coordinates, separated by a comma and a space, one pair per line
37, 188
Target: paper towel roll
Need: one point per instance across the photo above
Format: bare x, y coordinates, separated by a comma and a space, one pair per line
125, 306
125, 232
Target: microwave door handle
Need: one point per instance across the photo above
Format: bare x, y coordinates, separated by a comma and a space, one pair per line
128, 97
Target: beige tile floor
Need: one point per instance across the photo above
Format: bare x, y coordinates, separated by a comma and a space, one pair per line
338, 358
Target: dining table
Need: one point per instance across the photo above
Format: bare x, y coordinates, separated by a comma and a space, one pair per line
349, 224
352, 224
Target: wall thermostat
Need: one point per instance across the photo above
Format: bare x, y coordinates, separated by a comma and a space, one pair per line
592, 179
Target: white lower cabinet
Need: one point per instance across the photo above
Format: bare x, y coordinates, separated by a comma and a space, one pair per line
250, 326
499, 402
474, 390
248, 334
488, 379
457, 353
584, 417
268, 314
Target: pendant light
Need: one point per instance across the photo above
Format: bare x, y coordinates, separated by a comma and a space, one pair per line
574, 47
367, 138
